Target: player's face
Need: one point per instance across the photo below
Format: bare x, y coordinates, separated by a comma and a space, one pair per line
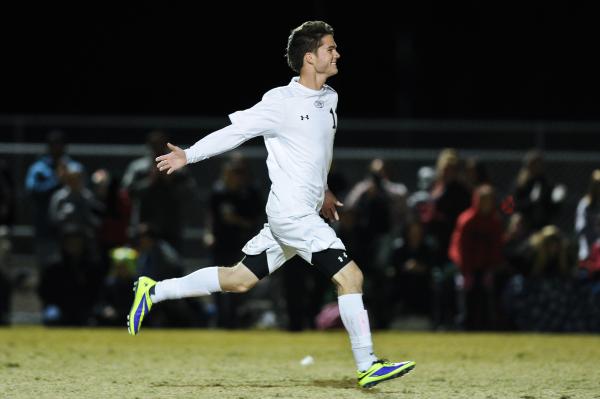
326, 57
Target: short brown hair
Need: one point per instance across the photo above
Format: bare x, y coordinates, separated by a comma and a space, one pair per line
305, 38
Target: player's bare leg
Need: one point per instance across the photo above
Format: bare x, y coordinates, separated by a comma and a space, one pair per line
237, 278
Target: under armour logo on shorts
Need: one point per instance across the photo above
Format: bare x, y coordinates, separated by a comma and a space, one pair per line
342, 259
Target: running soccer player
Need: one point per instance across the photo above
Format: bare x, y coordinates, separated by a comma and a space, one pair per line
298, 123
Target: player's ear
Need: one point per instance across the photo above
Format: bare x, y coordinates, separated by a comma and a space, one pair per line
309, 58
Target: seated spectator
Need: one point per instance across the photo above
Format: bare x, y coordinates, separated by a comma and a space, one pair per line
450, 196
412, 261
304, 290
150, 190
420, 202
549, 254
115, 297
68, 288
476, 248
476, 173
377, 207
546, 296
536, 197
516, 236
158, 260
378, 202
74, 204
114, 220
44, 177
235, 214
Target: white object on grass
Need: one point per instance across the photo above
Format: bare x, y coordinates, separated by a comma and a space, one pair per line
307, 361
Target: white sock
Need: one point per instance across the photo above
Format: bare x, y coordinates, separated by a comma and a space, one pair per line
199, 283
356, 320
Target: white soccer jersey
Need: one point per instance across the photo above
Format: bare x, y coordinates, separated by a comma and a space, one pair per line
298, 125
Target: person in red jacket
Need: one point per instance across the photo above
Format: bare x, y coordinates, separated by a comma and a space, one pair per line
476, 248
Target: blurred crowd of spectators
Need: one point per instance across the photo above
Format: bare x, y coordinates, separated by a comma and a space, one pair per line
456, 249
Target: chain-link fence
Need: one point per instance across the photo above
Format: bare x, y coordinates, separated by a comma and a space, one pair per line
111, 143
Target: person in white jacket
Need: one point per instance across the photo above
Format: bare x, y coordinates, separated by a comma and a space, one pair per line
298, 123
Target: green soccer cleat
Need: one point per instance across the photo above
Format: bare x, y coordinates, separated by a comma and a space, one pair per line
141, 304
382, 370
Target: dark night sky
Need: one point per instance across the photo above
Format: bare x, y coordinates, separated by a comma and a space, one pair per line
421, 61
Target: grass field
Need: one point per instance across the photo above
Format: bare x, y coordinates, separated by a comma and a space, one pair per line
107, 363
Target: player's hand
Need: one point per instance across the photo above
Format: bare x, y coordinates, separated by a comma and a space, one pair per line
172, 161
328, 210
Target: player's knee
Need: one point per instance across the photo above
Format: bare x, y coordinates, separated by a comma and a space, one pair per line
237, 279
244, 286
349, 278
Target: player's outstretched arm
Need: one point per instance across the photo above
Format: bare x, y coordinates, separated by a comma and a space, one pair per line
172, 161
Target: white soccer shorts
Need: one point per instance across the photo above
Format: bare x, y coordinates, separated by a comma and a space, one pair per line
283, 238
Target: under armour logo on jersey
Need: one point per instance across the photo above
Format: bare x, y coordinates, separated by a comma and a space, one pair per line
342, 259
303, 117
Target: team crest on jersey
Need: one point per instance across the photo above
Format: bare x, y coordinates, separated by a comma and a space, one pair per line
319, 104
